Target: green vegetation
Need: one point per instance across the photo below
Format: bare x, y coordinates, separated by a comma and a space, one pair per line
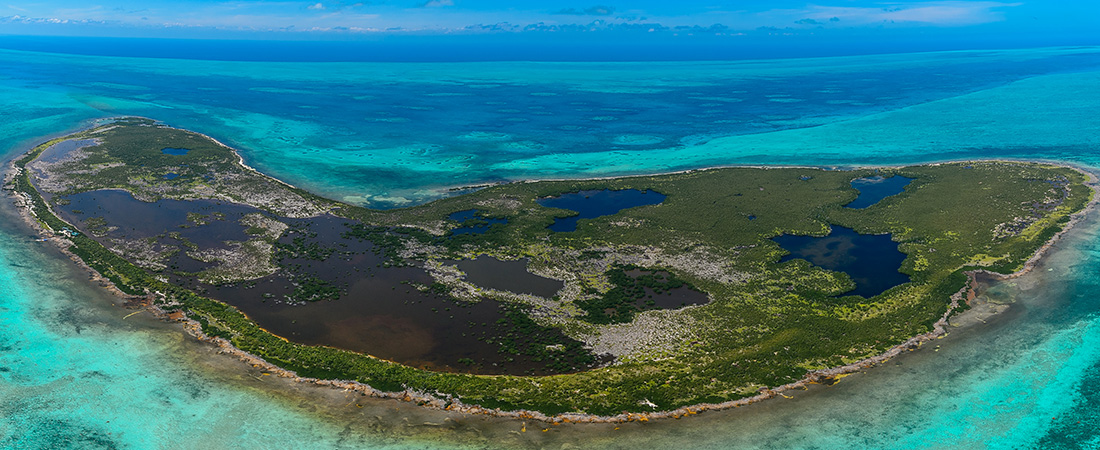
312, 289
521, 335
620, 303
135, 161
97, 226
767, 324
389, 240
299, 248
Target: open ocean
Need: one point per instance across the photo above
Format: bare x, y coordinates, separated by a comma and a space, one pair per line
75, 374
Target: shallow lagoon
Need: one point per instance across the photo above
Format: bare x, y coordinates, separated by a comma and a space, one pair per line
59, 150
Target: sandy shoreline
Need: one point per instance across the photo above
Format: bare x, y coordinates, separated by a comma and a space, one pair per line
816, 377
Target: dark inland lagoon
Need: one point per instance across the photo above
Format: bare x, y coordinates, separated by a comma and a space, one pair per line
507, 276
666, 298
871, 260
873, 189
597, 203
373, 308
205, 223
388, 312
473, 223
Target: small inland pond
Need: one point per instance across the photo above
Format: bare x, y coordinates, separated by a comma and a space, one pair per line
873, 189
871, 260
473, 222
175, 151
507, 276
597, 203
634, 290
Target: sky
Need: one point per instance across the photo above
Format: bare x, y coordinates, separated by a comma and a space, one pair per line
775, 24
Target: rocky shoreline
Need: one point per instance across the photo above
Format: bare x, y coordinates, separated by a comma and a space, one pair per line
817, 377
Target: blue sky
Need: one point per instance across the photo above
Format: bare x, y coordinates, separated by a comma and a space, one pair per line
907, 25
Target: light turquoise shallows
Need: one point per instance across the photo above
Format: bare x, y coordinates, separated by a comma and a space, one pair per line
74, 374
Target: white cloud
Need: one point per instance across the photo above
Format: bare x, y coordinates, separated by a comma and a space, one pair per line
948, 13
342, 16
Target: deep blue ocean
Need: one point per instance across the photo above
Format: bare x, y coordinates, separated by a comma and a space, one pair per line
75, 374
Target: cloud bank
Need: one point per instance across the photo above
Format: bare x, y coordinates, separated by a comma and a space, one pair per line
469, 16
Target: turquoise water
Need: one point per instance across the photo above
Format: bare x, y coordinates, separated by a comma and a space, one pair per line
74, 374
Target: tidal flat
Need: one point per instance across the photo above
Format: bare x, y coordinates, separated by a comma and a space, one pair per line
618, 355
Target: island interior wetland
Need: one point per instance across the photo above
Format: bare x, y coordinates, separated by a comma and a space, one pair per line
1025, 373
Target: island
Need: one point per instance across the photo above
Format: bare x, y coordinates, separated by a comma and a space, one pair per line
616, 299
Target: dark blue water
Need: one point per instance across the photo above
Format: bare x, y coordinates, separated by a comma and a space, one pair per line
872, 260
171, 176
481, 225
462, 216
873, 189
592, 204
175, 151
551, 46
